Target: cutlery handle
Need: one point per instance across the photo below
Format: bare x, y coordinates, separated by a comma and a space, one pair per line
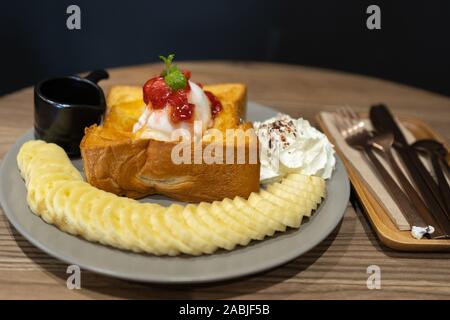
397, 194
384, 121
418, 173
442, 180
445, 165
413, 195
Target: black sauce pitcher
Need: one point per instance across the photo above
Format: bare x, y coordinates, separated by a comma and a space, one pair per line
65, 106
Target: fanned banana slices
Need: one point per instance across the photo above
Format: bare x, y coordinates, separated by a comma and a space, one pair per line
59, 195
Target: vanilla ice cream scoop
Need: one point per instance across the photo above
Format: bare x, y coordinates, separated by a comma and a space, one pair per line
290, 145
156, 124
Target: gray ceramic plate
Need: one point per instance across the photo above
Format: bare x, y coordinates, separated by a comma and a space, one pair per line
257, 257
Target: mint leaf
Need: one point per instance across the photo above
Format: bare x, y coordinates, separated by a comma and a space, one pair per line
175, 79
167, 62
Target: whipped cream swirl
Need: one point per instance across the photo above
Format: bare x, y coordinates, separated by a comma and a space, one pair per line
288, 146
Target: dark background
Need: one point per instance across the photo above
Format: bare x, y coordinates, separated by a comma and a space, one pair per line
413, 46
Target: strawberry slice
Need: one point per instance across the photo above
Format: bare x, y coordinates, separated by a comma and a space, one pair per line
157, 92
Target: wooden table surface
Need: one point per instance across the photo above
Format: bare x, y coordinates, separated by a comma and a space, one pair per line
336, 268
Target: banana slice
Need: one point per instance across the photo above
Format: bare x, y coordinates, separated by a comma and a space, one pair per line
310, 195
313, 193
179, 228
70, 209
109, 220
53, 167
294, 210
38, 190
228, 220
26, 153
113, 218
281, 214
192, 219
305, 205
257, 228
149, 239
91, 222
314, 187
48, 152
157, 221
57, 193
58, 204
203, 211
128, 233
317, 181
272, 224
306, 190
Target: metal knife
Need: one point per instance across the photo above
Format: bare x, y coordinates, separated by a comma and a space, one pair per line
383, 121
437, 152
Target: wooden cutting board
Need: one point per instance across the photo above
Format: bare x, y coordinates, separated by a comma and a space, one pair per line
387, 232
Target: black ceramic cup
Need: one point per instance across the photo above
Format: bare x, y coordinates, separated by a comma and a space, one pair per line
65, 106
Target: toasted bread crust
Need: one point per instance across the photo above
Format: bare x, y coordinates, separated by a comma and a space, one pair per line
116, 162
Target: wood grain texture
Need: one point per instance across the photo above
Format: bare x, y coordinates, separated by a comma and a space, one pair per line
334, 269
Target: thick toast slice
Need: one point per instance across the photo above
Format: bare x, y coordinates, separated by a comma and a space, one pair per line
116, 161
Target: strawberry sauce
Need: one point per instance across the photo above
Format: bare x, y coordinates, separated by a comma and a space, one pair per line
159, 94
216, 106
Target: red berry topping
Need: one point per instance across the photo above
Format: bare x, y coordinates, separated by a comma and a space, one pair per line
184, 112
160, 94
216, 106
157, 92
181, 109
187, 74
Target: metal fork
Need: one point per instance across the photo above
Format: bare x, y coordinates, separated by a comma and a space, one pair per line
357, 136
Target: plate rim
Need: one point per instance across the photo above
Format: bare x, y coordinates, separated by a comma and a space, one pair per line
340, 208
